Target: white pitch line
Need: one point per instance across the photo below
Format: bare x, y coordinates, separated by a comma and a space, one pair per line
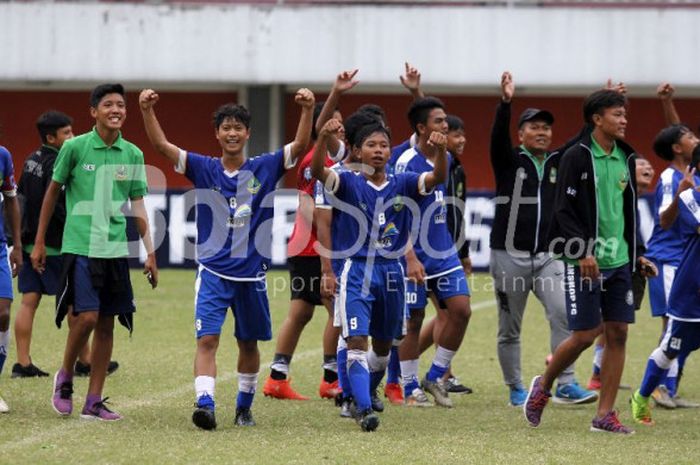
52, 433
483, 305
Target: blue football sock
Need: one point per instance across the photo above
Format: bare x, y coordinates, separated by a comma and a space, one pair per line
409, 387
4, 344
245, 399
343, 379
394, 369
436, 372
653, 375
359, 380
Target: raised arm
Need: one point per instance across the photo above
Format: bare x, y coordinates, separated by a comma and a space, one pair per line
343, 83
318, 160
38, 255
156, 136
668, 215
438, 142
501, 145
305, 99
411, 81
665, 92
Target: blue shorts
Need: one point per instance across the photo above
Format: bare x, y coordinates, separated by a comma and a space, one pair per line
29, 280
247, 299
88, 298
376, 309
443, 287
608, 298
681, 337
5, 274
660, 288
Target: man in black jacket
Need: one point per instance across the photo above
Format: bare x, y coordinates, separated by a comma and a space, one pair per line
526, 179
595, 231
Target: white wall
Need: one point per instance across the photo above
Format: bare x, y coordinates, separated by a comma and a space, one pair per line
67, 45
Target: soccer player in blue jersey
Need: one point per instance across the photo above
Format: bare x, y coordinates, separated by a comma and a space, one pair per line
8, 268
371, 293
444, 275
233, 212
682, 334
328, 233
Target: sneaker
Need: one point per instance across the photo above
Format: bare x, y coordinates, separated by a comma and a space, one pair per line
329, 390
394, 393
518, 394
680, 402
453, 386
281, 389
377, 404
4, 408
572, 393
662, 398
641, 410
99, 411
83, 369
437, 391
367, 420
62, 400
30, 371
203, 416
418, 398
535, 402
244, 417
346, 407
594, 383
610, 424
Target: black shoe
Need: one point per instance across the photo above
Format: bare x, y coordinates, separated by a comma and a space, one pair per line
244, 417
377, 404
30, 371
83, 369
453, 386
204, 418
367, 420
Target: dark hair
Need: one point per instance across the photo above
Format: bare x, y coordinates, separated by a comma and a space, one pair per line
367, 130
318, 107
420, 109
599, 101
454, 123
100, 91
51, 121
664, 140
372, 109
357, 121
231, 111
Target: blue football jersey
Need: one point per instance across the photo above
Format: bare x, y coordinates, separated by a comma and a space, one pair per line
234, 212
665, 245
380, 212
398, 150
8, 188
433, 246
684, 299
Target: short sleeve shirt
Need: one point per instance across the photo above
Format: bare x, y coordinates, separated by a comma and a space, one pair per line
8, 188
99, 181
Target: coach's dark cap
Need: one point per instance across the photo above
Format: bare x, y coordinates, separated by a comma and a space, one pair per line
535, 114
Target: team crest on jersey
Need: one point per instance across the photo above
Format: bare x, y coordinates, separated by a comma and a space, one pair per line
88, 167
307, 173
216, 188
120, 174
553, 175
363, 206
623, 181
398, 203
253, 185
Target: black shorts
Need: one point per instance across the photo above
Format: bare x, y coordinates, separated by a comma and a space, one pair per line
305, 279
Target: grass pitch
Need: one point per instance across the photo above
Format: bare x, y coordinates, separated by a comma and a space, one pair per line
154, 390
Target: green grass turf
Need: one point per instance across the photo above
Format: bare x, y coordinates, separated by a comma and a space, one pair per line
154, 390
